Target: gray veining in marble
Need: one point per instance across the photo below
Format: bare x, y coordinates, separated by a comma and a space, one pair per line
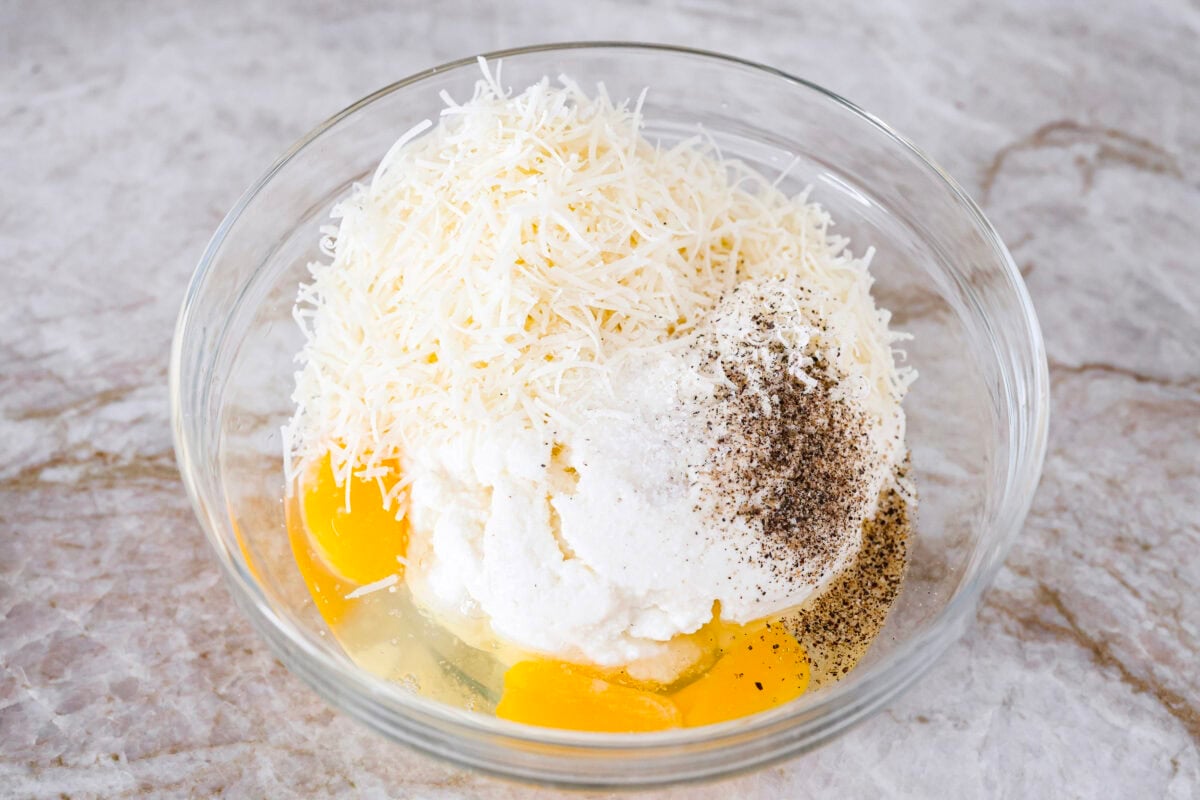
127, 130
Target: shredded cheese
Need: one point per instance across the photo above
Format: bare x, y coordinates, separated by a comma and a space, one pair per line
377, 586
504, 263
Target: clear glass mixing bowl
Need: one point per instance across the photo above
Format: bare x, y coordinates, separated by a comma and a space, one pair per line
976, 416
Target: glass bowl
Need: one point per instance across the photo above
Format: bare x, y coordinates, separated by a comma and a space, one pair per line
976, 416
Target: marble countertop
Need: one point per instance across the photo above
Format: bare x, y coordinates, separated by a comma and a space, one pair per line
128, 129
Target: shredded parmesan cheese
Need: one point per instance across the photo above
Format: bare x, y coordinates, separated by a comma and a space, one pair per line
370, 588
502, 265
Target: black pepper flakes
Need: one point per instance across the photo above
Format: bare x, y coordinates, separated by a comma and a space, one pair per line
839, 625
794, 458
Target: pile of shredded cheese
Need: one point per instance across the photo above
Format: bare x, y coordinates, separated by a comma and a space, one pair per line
502, 264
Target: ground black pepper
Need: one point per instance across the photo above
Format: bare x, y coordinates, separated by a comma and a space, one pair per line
794, 458
791, 456
837, 626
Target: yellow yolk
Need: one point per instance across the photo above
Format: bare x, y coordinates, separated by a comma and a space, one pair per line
338, 550
759, 668
554, 694
363, 542
327, 589
244, 548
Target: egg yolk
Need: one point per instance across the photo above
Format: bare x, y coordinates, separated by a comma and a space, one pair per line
554, 694
761, 669
358, 537
758, 668
340, 548
327, 589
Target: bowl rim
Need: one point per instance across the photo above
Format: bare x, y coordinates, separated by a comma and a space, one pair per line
882, 682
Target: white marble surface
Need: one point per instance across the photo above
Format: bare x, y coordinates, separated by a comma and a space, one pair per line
127, 130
